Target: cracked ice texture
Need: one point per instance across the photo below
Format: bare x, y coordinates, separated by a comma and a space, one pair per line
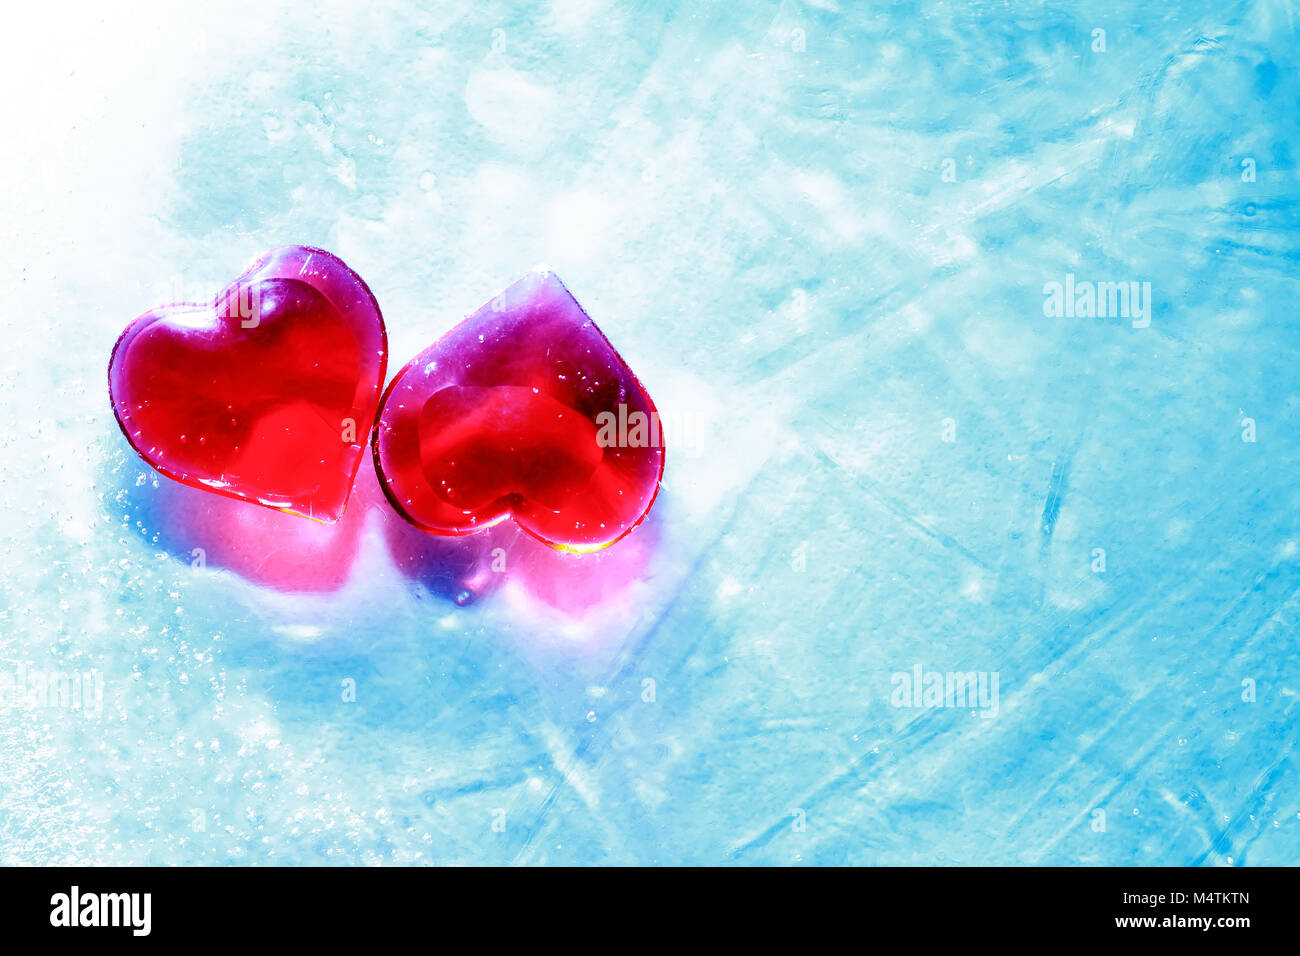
759, 218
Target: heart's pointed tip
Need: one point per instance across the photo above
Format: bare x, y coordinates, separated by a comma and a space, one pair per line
327, 516
544, 275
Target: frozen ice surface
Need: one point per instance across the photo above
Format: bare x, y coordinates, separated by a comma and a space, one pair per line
820, 234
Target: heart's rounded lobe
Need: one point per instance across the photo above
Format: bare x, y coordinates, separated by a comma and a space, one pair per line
267, 394
522, 411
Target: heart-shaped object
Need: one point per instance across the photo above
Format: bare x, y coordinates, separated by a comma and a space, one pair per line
265, 395
522, 411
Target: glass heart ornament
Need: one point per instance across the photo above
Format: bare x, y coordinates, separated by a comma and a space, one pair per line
524, 411
268, 393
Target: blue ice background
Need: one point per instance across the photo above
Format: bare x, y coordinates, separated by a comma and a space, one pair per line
749, 199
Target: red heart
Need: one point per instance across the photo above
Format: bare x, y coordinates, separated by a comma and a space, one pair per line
267, 394
524, 410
